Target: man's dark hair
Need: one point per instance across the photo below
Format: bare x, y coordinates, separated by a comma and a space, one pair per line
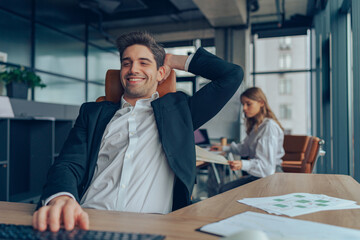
142, 38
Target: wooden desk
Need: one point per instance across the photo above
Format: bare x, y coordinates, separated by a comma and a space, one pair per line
341, 186
173, 227
181, 224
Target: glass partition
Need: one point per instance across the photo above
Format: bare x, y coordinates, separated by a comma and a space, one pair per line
95, 91
99, 61
59, 53
15, 38
60, 90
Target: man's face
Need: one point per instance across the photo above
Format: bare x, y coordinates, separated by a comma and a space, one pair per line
139, 74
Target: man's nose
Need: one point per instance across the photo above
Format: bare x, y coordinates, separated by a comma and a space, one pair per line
134, 68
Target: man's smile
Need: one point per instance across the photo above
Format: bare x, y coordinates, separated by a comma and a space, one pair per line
135, 79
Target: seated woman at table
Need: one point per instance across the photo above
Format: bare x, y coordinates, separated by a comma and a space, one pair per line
262, 149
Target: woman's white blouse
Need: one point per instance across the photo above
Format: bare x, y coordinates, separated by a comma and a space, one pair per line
263, 147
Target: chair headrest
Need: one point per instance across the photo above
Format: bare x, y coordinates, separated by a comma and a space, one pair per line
114, 89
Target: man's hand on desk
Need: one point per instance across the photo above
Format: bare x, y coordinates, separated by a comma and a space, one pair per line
62, 209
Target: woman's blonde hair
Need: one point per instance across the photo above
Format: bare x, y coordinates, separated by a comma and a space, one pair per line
256, 94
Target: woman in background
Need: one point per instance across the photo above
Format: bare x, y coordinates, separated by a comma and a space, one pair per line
262, 149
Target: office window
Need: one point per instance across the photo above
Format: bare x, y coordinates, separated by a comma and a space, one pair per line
15, 38
59, 53
350, 74
285, 43
186, 87
60, 90
297, 87
285, 111
285, 86
95, 91
3, 58
268, 53
284, 61
99, 61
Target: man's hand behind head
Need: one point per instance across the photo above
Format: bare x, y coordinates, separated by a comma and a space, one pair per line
61, 210
167, 67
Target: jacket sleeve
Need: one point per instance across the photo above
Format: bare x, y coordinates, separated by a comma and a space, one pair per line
68, 170
225, 80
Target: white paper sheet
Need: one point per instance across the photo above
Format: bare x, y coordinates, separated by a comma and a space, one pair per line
296, 204
277, 228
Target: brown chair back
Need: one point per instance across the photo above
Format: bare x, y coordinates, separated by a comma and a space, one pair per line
296, 149
114, 89
301, 153
313, 155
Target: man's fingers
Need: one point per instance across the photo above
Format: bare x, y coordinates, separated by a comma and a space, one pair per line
42, 217
34, 220
55, 213
69, 212
83, 220
59, 210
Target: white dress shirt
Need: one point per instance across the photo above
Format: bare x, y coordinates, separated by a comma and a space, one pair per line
132, 173
263, 147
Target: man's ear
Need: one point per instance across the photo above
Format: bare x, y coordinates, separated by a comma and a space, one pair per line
161, 74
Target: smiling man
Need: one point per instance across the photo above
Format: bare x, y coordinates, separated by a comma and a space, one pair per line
137, 155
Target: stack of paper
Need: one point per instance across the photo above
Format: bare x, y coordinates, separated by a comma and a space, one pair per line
296, 204
206, 156
277, 228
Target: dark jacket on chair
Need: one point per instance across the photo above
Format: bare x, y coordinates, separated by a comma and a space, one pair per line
177, 116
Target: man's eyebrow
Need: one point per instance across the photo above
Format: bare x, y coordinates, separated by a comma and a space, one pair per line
143, 59
125, 58
146, 59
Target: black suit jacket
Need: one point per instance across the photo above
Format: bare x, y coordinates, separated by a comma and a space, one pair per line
177, 115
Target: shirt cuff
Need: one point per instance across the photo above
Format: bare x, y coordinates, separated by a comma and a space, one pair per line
245, 165
188, 60
46, 201
226, 148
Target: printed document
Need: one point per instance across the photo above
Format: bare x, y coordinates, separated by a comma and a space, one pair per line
296, 204
277, 228
207, 156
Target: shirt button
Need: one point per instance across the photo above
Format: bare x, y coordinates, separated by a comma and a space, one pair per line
123, 186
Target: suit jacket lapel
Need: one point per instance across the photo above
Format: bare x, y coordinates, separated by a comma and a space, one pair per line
103, 116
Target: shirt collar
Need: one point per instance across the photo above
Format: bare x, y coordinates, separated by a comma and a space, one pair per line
125, 104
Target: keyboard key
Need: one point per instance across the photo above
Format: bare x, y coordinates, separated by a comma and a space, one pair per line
20, 232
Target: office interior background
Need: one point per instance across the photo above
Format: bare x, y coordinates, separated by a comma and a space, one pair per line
304, 54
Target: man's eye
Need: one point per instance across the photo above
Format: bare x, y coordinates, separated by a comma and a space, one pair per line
126, 64
144, 63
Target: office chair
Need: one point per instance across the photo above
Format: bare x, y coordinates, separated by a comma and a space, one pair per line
114, 89
301, 153
315, 152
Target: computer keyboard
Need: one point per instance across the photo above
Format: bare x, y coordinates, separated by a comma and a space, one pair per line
19, 232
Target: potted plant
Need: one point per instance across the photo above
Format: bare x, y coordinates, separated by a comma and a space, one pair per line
19, 80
